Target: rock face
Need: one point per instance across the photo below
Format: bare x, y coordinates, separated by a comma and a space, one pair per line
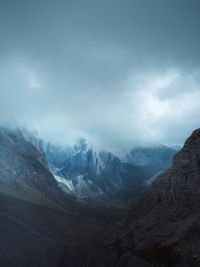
22, 165
164, 228
181, 182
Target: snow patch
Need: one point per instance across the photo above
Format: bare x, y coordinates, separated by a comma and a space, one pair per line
64, 181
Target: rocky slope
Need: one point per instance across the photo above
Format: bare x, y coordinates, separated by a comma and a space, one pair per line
164, 229
22, 165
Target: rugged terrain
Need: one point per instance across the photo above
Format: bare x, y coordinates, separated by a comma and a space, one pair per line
40, 225
164, 229
85, 172
82, 170
43, 225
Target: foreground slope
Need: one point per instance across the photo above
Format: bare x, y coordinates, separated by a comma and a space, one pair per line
164, 229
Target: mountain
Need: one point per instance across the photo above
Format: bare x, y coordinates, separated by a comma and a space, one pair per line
164, 228
40, 225
85, 172
153, 160
23, 167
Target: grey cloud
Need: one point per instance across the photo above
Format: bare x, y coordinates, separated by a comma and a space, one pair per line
110, 70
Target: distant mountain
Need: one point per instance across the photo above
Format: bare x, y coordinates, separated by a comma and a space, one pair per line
23, 167
85, 172
153, 160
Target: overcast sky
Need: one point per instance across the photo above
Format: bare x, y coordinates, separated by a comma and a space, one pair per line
119, 72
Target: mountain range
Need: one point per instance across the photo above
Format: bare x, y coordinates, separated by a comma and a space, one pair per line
81, 170
51, 213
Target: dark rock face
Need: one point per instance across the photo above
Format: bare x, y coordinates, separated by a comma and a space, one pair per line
165, 227
181, 182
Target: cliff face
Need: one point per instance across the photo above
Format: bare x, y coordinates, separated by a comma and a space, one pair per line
165, 227
181, 182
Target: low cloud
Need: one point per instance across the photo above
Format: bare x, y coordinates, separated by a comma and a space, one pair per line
144, 109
